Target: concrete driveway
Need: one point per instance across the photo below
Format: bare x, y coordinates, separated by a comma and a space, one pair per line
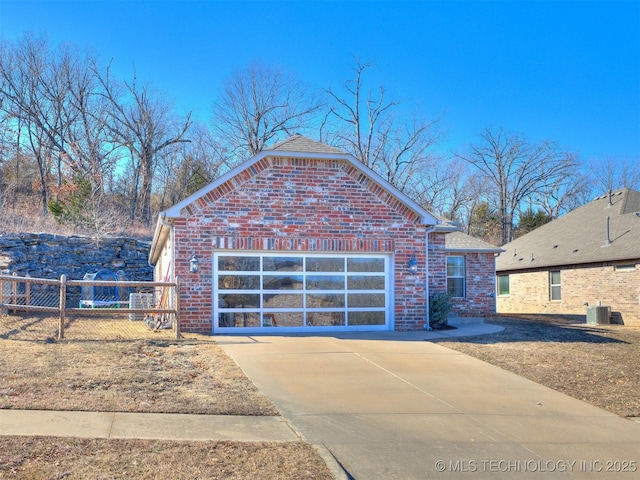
395, 406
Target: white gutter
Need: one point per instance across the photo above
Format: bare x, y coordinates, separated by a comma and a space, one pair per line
426, 284
169, 226
172, 246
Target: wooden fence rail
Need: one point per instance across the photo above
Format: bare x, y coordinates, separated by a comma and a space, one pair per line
27, 294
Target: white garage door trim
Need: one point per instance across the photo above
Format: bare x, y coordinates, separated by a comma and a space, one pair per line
267, 292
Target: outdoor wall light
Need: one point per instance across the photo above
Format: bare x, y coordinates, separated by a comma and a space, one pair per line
413, 265
193, 264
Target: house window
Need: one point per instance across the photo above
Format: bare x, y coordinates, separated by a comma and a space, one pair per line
555, 285
629, 267
455, 276
503, 285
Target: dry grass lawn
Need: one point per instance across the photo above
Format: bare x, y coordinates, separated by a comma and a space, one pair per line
158, 374
57, 458
161, 376
599, 364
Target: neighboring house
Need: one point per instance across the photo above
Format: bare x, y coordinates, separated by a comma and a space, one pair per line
304, 237
588, 257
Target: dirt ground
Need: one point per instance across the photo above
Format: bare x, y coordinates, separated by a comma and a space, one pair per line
599, 364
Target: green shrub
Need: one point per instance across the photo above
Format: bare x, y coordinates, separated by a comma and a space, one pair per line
439, 308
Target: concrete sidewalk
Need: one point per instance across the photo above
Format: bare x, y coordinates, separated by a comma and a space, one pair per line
397, 406
146, 426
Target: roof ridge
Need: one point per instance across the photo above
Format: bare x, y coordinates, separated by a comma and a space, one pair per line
300, 143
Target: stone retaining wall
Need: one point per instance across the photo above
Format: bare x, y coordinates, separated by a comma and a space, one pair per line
51, 256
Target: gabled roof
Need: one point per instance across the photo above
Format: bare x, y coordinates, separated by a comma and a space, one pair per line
296, 146
459, 242
603, 230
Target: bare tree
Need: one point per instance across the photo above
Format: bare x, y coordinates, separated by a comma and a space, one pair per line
563, 195
31, 93
609, 174
517, 170
52, 99
143, 124
187, 167
259, 104
370, 127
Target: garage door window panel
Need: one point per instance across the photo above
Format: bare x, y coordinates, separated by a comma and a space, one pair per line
271, 300
366, 283
283, 319
364, 300
328, 282
325, 301
318, 264
365, 264
239, 282
326, 319
282, 282
238, 264
239, 319
282, 264
366, 318
239, 300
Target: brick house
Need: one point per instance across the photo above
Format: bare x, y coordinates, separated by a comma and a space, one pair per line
588, 257
304, 237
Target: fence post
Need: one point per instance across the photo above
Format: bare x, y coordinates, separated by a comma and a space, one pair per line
63, 305
27, 291
176, 305
14, 285
3, 311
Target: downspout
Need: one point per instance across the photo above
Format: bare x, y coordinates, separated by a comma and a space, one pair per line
426, 274
172, 246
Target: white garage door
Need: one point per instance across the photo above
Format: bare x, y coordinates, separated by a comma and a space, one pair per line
263, 292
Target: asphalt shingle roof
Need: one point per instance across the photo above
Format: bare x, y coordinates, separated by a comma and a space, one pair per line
298, 143
581, 236
461, 242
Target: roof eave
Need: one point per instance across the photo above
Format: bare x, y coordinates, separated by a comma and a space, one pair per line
516, 268
160, 236
473, 250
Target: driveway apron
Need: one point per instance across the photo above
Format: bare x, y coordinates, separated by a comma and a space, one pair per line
395, 406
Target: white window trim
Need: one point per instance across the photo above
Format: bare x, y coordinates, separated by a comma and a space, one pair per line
498, 284
463, 276
551, 285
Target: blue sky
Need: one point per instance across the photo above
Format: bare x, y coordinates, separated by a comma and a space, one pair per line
566, 71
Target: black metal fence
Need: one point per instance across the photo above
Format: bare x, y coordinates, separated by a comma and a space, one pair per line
87, 309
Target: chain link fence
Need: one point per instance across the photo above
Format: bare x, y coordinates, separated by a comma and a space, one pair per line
49, 310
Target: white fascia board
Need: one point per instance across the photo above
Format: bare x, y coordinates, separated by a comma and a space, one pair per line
159, 238
447, 228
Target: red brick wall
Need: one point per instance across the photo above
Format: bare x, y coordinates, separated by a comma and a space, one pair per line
303, 205
529, 291
479, 298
